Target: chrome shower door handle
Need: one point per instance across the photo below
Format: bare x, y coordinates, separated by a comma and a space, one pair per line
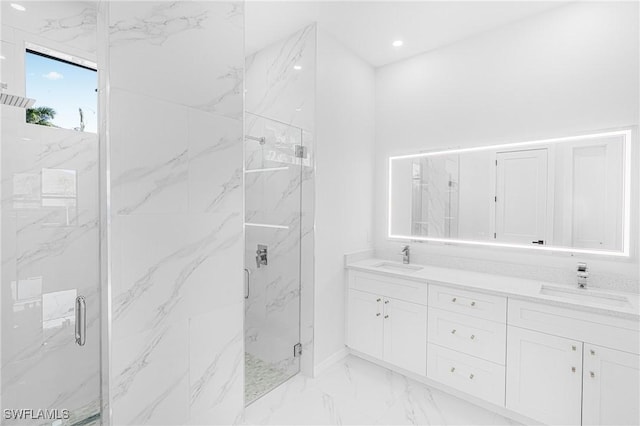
247, 282
81, 320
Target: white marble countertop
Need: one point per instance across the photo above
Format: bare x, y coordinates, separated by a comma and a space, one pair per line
513, 287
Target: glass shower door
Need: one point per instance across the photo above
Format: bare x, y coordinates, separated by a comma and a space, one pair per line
50, 295
273, 152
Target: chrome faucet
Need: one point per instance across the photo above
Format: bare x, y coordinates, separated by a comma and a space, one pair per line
583, 273
406, 257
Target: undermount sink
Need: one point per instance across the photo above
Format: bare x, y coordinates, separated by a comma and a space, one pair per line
398, 266
583, 295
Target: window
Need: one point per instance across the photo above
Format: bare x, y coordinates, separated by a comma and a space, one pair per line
65, 92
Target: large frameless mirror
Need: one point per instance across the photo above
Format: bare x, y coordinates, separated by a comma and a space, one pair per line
567, 194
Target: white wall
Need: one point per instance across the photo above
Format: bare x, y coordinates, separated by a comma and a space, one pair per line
344, 181
569, 70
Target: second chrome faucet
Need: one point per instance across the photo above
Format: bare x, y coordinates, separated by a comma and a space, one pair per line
406, 255
582, 273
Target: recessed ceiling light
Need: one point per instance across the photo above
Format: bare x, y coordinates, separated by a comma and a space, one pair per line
19, 7
397, 43
297, 67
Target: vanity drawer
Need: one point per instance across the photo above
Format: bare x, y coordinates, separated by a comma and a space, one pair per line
604, 330
397, 288
479, 305
478, 337
468, 374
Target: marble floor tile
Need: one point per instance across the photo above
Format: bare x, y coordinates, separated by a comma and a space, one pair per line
355, 391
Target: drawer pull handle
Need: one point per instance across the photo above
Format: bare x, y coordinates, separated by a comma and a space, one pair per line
592, 352
386, 302
378, 300
453, 369
573, 369
471, 376
473, 303
378, 314
454, 299
473, 336
592, 374
453, 331
573, 347
386, 316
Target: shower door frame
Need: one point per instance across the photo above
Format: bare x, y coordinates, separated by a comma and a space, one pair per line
21, 39
300, 217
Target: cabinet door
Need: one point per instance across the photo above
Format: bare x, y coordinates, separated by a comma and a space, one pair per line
364, 321
405, 335
544, 376
610, 387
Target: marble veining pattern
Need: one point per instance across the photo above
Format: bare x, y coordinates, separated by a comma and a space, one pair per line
71, 23
277, 90
162, 20
177, 336
355, 391
208, 78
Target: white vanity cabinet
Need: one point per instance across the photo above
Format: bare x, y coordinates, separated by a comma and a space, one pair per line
559, 372
467, 339
545, 360
405, 335
365, 326
611, 387
544, 376
387, 320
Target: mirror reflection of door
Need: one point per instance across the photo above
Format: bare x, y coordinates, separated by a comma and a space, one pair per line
521, 197
593, 196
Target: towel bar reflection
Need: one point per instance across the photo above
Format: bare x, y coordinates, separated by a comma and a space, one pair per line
81, 320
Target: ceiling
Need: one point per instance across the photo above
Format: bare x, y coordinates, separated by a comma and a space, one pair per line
369, 27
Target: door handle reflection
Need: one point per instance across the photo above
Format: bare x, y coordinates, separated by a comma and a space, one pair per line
81, 320
247, 282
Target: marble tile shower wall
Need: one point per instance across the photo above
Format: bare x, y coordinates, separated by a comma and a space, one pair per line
281, 80
280, 104
175, 111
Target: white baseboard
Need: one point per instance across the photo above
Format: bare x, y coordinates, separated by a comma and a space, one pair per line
330, 361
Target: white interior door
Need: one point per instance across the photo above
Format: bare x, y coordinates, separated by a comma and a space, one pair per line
521, 196
596, 194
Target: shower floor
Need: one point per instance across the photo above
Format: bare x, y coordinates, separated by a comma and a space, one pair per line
260, 377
